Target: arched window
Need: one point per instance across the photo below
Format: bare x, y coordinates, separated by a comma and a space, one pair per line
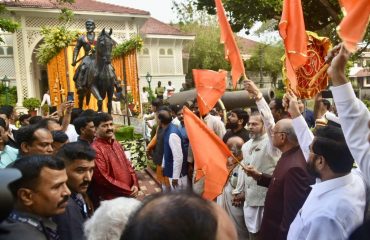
162, 51
2, 51
169, 51
9, 51
145, 51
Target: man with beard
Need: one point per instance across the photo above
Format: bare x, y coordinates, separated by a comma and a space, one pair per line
289, 184
260, 153
79, 161
40, 194
237, 120
337, 201
113, 174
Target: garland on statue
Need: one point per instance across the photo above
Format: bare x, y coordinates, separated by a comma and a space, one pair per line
55, 40
58, 38
127, 46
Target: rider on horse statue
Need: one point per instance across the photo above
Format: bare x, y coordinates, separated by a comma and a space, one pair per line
87, 42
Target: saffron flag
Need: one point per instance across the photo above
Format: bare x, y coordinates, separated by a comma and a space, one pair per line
293, 33
232, 53
352, 29
210, 155
210, 86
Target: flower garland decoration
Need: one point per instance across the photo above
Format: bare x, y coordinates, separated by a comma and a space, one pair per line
127, 46
55, 39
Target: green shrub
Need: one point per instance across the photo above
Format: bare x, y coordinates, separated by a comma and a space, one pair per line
31, 103
125, 133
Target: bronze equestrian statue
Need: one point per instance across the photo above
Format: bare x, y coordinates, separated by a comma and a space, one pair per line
95, 74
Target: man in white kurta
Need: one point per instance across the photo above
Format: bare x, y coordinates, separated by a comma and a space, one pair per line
260, 153
336, 204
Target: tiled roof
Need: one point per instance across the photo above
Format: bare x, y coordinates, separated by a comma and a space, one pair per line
246, 45
362, 73
154, 26
79, 5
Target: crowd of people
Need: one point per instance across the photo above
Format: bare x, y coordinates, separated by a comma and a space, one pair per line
295, 174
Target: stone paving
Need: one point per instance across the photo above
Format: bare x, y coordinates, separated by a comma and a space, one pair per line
147, 184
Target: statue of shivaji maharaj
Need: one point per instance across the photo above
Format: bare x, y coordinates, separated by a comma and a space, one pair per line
87, 42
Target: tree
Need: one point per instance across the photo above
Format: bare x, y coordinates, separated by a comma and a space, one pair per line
9, 25
321, 16
267, 58
206, 51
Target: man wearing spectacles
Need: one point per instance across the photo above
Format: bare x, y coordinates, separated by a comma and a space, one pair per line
289, 184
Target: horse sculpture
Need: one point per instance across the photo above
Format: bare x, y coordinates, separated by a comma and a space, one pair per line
99, 75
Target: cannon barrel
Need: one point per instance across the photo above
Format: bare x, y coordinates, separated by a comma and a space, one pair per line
231, 100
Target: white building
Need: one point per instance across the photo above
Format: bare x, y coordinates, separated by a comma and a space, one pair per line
161, 55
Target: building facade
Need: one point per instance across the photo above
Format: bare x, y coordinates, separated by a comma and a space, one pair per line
161, 55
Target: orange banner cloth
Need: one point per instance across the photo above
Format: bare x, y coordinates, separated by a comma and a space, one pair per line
210, 155
353, 27
317, 49
210, 86
232, 53
292, 31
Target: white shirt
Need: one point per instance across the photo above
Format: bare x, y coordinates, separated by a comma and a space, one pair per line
46, 99
71, 133
144, 97
335, 207
215, 124
354, 117
176, 122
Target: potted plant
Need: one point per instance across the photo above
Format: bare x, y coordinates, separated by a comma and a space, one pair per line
31, 104
45, 109
130, 102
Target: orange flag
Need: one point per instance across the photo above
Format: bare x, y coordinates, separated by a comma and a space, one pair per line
292, 31
353, 26
210, 155
210, 87
232, 53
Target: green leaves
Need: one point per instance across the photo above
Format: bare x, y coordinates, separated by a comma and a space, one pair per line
127, 46
6, 23
55, 39
137, 150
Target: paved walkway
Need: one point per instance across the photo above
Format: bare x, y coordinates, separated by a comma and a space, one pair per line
147, 184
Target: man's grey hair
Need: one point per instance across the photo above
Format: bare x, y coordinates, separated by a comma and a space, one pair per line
110, 219
291, 136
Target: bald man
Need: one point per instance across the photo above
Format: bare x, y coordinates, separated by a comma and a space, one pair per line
225, 200
289, 184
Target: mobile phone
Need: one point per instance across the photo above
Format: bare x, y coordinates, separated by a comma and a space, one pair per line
326, 94
70, 97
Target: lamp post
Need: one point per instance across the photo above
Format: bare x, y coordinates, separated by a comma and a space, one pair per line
149, 80
6, 82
